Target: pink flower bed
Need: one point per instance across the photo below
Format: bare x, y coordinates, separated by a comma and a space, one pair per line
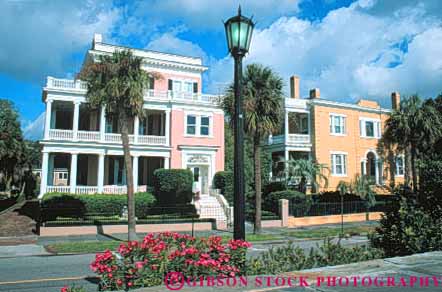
142, 264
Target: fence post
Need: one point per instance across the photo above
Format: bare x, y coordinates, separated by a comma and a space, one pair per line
284, 212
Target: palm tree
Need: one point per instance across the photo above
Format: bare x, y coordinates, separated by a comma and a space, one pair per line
117, 82
263, 98
306, 171
412, 129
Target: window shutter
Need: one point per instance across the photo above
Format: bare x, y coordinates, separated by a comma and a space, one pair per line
331, 124
361, 128
151, 83
332, 164
170, 85
195, 87
344, 125
378, 129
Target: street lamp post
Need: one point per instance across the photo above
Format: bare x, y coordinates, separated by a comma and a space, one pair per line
239, 34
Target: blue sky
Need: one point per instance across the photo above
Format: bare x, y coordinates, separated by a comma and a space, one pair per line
349, 49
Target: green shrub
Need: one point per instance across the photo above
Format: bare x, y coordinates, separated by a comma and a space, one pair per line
409, 228
290, 257
223, 180
271, 201
274, 186
78, 206
173, 186
430, 175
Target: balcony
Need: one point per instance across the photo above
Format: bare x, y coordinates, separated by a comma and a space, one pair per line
93, 136
291, 139
79, 86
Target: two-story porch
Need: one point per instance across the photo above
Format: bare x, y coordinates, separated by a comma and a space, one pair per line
294, 142
96, 172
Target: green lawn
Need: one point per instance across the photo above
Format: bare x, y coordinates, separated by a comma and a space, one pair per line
99, 246
329, 232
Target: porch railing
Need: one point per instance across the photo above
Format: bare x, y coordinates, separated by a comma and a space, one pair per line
57, 189
88, 135
57, 134
298, 138
65, 83
152, 140
82, 190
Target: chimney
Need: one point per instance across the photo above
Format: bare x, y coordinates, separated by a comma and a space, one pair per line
315, 93
395, 100
98, 38
294, 86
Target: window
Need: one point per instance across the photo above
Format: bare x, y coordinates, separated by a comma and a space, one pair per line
400, 166
188, 87
339, 164
198, 125
191, 125
337, 124
370, 128
205, 123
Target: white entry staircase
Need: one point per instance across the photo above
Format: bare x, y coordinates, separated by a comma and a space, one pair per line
213, 206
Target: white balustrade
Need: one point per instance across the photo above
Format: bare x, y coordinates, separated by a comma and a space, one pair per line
298, 138
151, 140
57, 134
82, 190
113, 138
88, 136
57, 189
142, 189
68, 84
112, 189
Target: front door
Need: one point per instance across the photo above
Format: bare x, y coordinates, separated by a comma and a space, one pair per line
201, 178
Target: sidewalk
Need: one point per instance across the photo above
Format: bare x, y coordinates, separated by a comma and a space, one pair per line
418, 265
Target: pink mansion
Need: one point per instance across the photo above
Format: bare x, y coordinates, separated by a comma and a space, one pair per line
182, 128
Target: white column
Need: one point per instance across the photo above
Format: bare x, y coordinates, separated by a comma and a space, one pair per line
100, 176
135, 172
44, 174
376, 169
76, 117
48, 118
167, 127
102, 123
73, 173
166, 162
286, 125
136, 128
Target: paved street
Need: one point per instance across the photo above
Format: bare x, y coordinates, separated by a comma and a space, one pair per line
49, 273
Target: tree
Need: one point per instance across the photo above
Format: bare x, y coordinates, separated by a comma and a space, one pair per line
362, 186
303, 171
13, 159
343, 188
413, 129
118, 82
263, 98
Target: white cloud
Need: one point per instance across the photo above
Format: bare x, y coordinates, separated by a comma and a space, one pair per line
40, 38
34, 131
351, 53
170, 43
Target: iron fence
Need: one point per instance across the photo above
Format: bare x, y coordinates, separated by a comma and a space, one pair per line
334, 208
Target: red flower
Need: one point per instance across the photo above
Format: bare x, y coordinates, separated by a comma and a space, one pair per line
64, 289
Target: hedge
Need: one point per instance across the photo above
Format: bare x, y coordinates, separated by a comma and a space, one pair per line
223, 180
271, 201
173, 186
78, 206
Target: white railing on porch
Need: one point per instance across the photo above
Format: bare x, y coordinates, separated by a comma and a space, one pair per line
78, 85
57, 189
82, 190
57, 134
298, 138
152, 140
65, 83
88, 135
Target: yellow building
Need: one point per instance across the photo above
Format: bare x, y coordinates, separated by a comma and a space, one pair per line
343, 136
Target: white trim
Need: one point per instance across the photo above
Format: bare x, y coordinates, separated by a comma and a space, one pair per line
344, 156
331, 124
402, 156
377, 128
323, 102
198, 117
